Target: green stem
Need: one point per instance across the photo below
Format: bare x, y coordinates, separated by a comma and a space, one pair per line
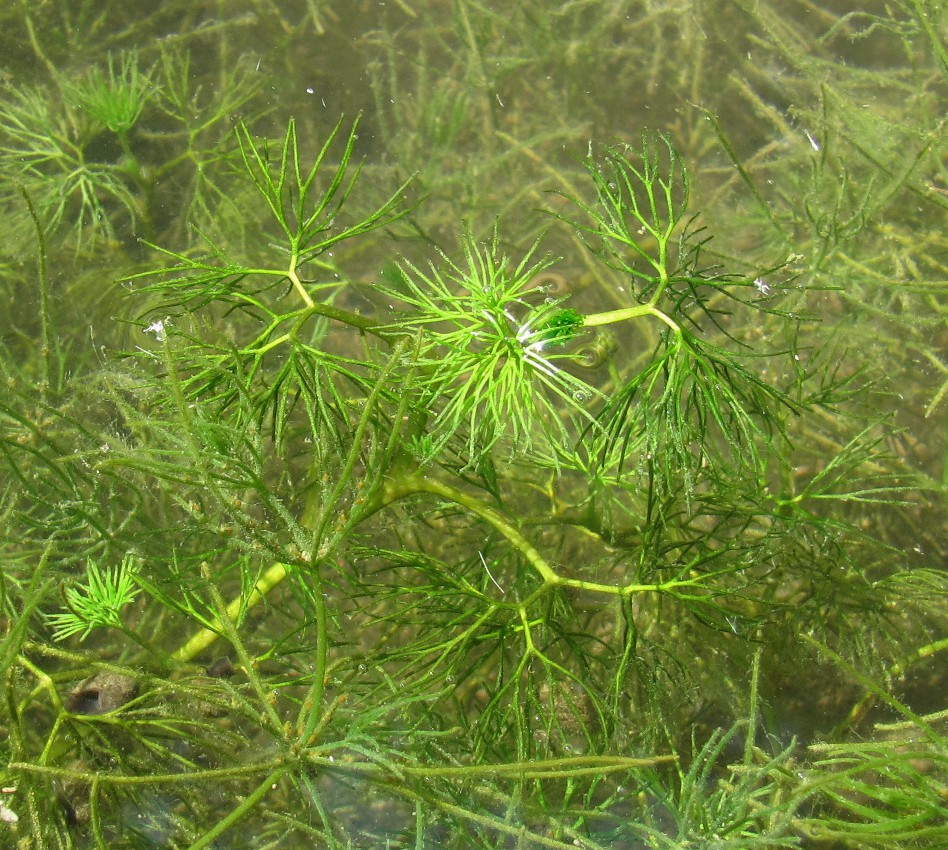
311, 708
125, 780
610, 317
416, 483
204, 637
311, 715
925, 13
555, 768
315, 518
411, 484
873, 688
45, 335
869, 699
297, 283
162, 657
239, 812
404, 486
230, 630
361, 323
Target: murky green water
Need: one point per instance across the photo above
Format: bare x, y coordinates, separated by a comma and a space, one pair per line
560, 462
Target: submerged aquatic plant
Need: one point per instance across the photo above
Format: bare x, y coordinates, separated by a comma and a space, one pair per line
99, 603
347, 511
490, 354
114, 97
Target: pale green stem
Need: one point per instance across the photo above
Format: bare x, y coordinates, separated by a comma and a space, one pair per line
124, 779
869, 699
529, 648
417, 483
407, 486
556, 768
421, 484
596, 319
204, 637
227, 622
297, 283
277, 572
317, 308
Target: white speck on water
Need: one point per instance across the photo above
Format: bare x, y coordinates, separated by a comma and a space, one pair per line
158, 329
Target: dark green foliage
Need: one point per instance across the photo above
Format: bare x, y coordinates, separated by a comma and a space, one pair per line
349, 500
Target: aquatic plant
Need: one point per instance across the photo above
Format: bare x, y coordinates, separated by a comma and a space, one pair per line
395, 511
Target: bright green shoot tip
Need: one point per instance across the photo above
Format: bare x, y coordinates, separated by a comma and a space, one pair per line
115, 97
493, 371
98, 603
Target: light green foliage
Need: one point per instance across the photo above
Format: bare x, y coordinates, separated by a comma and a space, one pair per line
307, 212
436, 475
114, 97
642, 197
47, 151
490, 368
98, 603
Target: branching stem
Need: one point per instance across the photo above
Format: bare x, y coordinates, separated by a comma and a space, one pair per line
297, 283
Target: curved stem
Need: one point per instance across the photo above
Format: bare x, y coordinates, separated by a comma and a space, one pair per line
611, 316
365, 324
315, 518
411, 484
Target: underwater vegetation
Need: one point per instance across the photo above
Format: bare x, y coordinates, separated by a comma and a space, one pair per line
440, 425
